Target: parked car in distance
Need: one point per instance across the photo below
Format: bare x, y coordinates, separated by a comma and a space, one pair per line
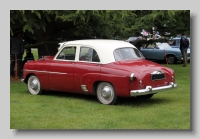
132, 39
175, 43
162, 51
107, 69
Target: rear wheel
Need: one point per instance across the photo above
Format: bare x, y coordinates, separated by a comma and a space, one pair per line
106, 93
171, 59
34, 85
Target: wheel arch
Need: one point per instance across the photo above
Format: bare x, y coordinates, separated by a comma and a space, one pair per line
172, 55
27, 76
95, 85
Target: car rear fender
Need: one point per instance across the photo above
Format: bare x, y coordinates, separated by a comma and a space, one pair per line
88, 80
121, 83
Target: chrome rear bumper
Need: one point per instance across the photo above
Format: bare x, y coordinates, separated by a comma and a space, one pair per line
150, 90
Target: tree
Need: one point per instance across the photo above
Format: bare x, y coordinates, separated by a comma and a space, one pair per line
50, 25
46, 25
173, 21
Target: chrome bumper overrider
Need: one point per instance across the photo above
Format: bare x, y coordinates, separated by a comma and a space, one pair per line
150, 90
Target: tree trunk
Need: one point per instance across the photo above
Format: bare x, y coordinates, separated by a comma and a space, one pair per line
50, 35
16, 67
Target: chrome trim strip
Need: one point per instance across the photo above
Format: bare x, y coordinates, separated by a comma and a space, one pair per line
150, 90
157, 73
34, 70
84, 88
56, 73
45, 72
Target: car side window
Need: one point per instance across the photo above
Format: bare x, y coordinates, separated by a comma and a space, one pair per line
95, 57
67, 53
178, 43
172, 42
88, 54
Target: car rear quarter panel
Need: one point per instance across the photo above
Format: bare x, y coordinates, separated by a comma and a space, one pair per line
118, 78
86, 73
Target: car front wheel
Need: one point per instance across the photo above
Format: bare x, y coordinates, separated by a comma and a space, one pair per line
106, 93
34, 85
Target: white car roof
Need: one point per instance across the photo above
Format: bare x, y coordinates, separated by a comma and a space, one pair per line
103, 47
163, 45
60, 45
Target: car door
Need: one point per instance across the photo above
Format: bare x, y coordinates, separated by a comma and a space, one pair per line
86, 70
61, 70
149, 53
160, 53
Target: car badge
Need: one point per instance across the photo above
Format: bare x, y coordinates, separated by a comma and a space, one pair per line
156, 72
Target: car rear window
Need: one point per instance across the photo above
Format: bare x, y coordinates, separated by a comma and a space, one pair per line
127, 53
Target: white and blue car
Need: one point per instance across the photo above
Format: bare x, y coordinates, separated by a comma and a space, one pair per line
163, 51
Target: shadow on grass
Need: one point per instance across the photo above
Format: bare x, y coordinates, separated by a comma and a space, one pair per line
125, 101
70, 95
135, 101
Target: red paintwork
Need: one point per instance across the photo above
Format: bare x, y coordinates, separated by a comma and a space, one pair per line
83, 73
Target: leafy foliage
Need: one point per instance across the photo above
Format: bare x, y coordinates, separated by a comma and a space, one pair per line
145, 43
44, 25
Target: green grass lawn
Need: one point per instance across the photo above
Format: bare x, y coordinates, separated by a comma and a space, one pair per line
57, 110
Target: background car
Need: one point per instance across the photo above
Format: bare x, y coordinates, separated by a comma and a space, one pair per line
83, 66
162, 51
132, 39
175, 43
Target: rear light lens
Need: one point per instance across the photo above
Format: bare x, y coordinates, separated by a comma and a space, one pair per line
132, 77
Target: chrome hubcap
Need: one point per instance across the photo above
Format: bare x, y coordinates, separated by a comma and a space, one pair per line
34, 84
106, 92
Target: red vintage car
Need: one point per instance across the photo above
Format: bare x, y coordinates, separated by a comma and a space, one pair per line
105, 68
